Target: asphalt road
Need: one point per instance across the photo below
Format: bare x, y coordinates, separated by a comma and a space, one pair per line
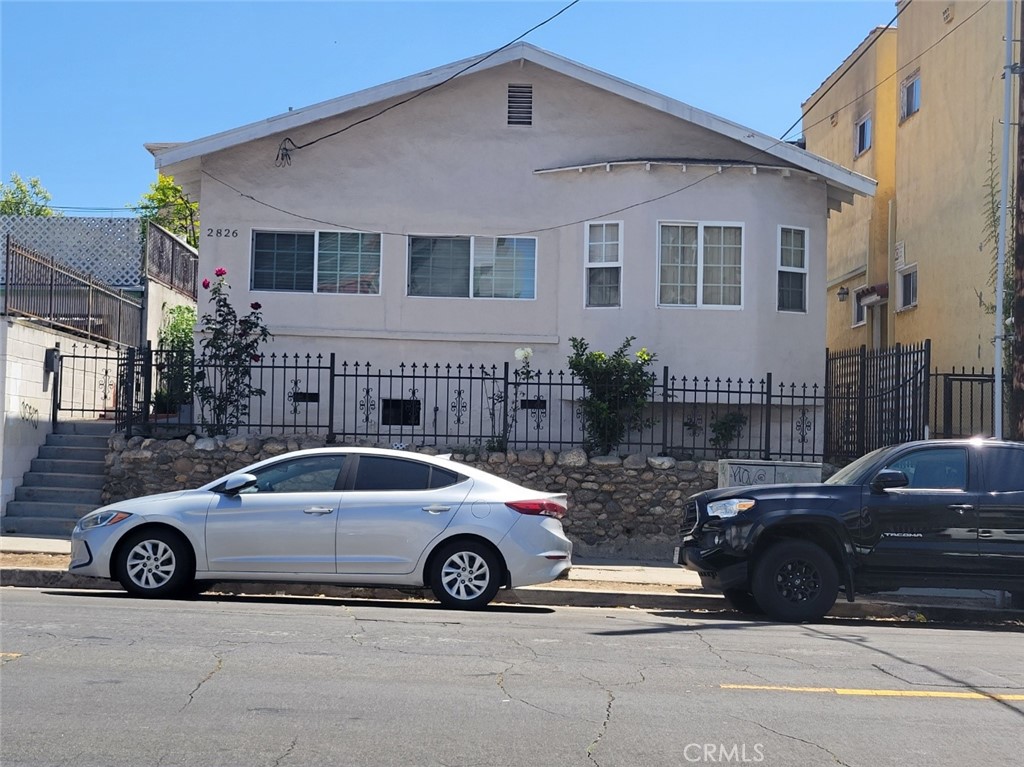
97, 678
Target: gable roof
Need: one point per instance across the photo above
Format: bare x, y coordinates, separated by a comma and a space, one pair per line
842, 183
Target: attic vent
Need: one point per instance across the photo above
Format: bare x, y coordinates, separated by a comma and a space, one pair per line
947, 14
520, 104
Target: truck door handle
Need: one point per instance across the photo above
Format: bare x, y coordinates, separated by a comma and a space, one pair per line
961, 507
435, 509
318, 510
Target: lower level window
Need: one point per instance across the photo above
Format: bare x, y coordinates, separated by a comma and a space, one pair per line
700, 265
324, 262
473, 267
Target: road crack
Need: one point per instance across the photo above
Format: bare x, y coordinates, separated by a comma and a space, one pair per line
287, 752
509, 696
835, 758
604, 725
204, 680
713, 651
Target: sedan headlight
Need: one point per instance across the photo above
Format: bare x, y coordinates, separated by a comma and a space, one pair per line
729, 508
101, 519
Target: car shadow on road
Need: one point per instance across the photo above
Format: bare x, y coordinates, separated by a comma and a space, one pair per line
282, 599
730, 619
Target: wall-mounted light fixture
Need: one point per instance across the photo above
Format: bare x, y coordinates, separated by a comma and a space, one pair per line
843, 293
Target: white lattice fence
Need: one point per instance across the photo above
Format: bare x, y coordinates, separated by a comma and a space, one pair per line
110, 249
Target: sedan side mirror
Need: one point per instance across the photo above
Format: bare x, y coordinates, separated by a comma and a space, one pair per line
236, 483
887, 479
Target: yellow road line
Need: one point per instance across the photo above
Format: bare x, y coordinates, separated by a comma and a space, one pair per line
878, 693
6, 656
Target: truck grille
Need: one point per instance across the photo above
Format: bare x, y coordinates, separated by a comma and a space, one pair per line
690, 517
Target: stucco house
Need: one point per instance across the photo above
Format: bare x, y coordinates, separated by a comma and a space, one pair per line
520, 199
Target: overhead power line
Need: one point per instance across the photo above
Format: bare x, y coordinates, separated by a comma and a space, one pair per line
287, 146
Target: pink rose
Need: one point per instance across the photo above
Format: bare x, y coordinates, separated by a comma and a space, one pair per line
220, 271
206, 283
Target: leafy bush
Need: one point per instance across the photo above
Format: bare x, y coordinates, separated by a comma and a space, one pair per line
618, 390
724, 432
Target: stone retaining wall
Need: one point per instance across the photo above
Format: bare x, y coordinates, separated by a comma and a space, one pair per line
628, 507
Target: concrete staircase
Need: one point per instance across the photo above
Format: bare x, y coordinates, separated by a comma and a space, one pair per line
64, 483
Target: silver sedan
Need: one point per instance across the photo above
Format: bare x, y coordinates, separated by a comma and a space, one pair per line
353, 516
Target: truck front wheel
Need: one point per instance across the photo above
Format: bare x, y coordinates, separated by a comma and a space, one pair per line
795, 581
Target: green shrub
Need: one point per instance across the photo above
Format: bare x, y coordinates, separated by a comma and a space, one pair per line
618, 389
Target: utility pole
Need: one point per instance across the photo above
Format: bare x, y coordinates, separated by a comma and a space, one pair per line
998, 368
1017, 331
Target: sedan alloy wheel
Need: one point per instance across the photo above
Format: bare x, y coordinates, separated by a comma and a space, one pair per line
465, 575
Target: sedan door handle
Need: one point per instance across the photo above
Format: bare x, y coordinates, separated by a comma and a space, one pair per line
318, 510
961, 507
435, 509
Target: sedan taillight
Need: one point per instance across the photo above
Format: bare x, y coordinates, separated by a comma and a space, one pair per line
543, 508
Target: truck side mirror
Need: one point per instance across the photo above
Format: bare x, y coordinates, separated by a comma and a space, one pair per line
887, 479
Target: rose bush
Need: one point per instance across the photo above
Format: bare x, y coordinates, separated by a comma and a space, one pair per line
229, 344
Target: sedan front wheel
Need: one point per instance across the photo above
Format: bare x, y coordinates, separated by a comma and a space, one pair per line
154, 563
465, 575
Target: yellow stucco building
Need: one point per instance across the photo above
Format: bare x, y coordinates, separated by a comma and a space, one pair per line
919, 109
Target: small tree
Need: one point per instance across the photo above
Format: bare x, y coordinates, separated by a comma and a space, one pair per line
229, 345
167, 205
21, 198
175, 361
618, 390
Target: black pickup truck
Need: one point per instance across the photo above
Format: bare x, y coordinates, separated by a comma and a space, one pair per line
936, 513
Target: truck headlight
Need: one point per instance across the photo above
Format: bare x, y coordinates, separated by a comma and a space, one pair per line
729, 508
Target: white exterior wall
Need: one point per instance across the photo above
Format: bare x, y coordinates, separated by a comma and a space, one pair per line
448, 164
26, 395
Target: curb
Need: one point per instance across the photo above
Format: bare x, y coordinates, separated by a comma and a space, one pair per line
544, 596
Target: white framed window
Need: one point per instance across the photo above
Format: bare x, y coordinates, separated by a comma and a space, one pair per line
472, 267
316, 262
700, 264
862, 135
906, 288
792, 283
860, 312
604, 263
910, 96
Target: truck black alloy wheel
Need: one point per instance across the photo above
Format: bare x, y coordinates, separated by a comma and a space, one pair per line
795, 581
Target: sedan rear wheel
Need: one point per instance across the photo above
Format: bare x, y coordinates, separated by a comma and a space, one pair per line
154, 563
465, 575
795, 581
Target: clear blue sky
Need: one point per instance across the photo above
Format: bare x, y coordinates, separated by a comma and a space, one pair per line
86, 84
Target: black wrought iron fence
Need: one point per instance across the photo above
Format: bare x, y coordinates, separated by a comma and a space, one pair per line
875, 398
472, 407
60, 296
963, 402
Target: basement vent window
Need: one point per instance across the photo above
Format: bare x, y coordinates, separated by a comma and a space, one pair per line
520, 104
400, 412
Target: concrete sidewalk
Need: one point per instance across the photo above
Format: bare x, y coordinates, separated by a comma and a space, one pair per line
590, 583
